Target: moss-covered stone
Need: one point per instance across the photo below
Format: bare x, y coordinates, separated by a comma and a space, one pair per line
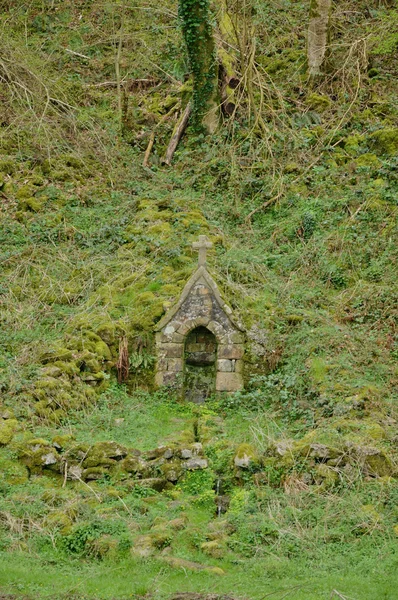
104, 454
318, 102
368, 160
246, 456
7, 429
12, 472
385, 141
213, 548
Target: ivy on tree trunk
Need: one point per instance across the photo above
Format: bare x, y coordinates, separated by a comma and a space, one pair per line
199, 39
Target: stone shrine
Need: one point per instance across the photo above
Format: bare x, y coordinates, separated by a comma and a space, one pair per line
199, 345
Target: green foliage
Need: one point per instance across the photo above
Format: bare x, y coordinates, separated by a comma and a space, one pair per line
82, 540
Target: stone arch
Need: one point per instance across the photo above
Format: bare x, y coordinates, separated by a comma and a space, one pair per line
200, 364
200, 305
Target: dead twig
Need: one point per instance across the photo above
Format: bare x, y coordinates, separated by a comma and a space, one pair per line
148, 150
177, 134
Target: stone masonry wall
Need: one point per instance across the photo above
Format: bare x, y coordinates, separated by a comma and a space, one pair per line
200, 307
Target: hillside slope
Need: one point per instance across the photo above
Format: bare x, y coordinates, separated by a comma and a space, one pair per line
296, 480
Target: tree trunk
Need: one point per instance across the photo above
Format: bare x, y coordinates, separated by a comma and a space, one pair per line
227, 56
318, 35
199, 39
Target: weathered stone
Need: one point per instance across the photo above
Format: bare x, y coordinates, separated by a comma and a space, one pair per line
197, 448
155, 483
195, 463
230, 351
186, 453
172, 350
175, 365
74, 473
226, 366
245, 456
239, 366
49, 459
229, 382
189, 337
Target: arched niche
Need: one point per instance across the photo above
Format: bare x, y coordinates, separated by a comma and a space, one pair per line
200, 364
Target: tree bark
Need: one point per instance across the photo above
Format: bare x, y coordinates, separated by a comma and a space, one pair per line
318, 35
199, 39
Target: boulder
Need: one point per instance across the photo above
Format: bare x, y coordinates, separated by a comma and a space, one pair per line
195, 463
246, 456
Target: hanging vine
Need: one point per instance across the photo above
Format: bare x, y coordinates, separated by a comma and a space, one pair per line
198, 35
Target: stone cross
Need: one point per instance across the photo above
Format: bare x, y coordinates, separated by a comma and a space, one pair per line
202, 245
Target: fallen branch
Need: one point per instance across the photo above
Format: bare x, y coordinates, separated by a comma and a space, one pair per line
149, 150
152, 137
177, 134
264, 205
131, 84
69, 51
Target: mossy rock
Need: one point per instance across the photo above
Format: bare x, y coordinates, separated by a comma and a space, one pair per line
326, 476
94, 473
246, 456
172, 470
134, 465
8, 427
213, 548
102, 350
68, 368
55, 354
37, 454
25, 191
378, 464
61, 442
318, 102
320, 443
11, 471
104, 454
31, 204
368, 160
384, 141
60, 521
104, 546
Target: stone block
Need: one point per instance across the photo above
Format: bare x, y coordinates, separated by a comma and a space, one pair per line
217, 329
230, 351
172, 350
229, 382
235, 337
239, 366
195, 347
161, 364
169, 338
171, 379
225, 366
159, 379
176, 365
186, 327
203, 291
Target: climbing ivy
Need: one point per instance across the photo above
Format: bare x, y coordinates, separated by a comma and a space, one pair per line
198, 36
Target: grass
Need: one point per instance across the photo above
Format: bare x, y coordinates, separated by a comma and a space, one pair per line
275, 577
